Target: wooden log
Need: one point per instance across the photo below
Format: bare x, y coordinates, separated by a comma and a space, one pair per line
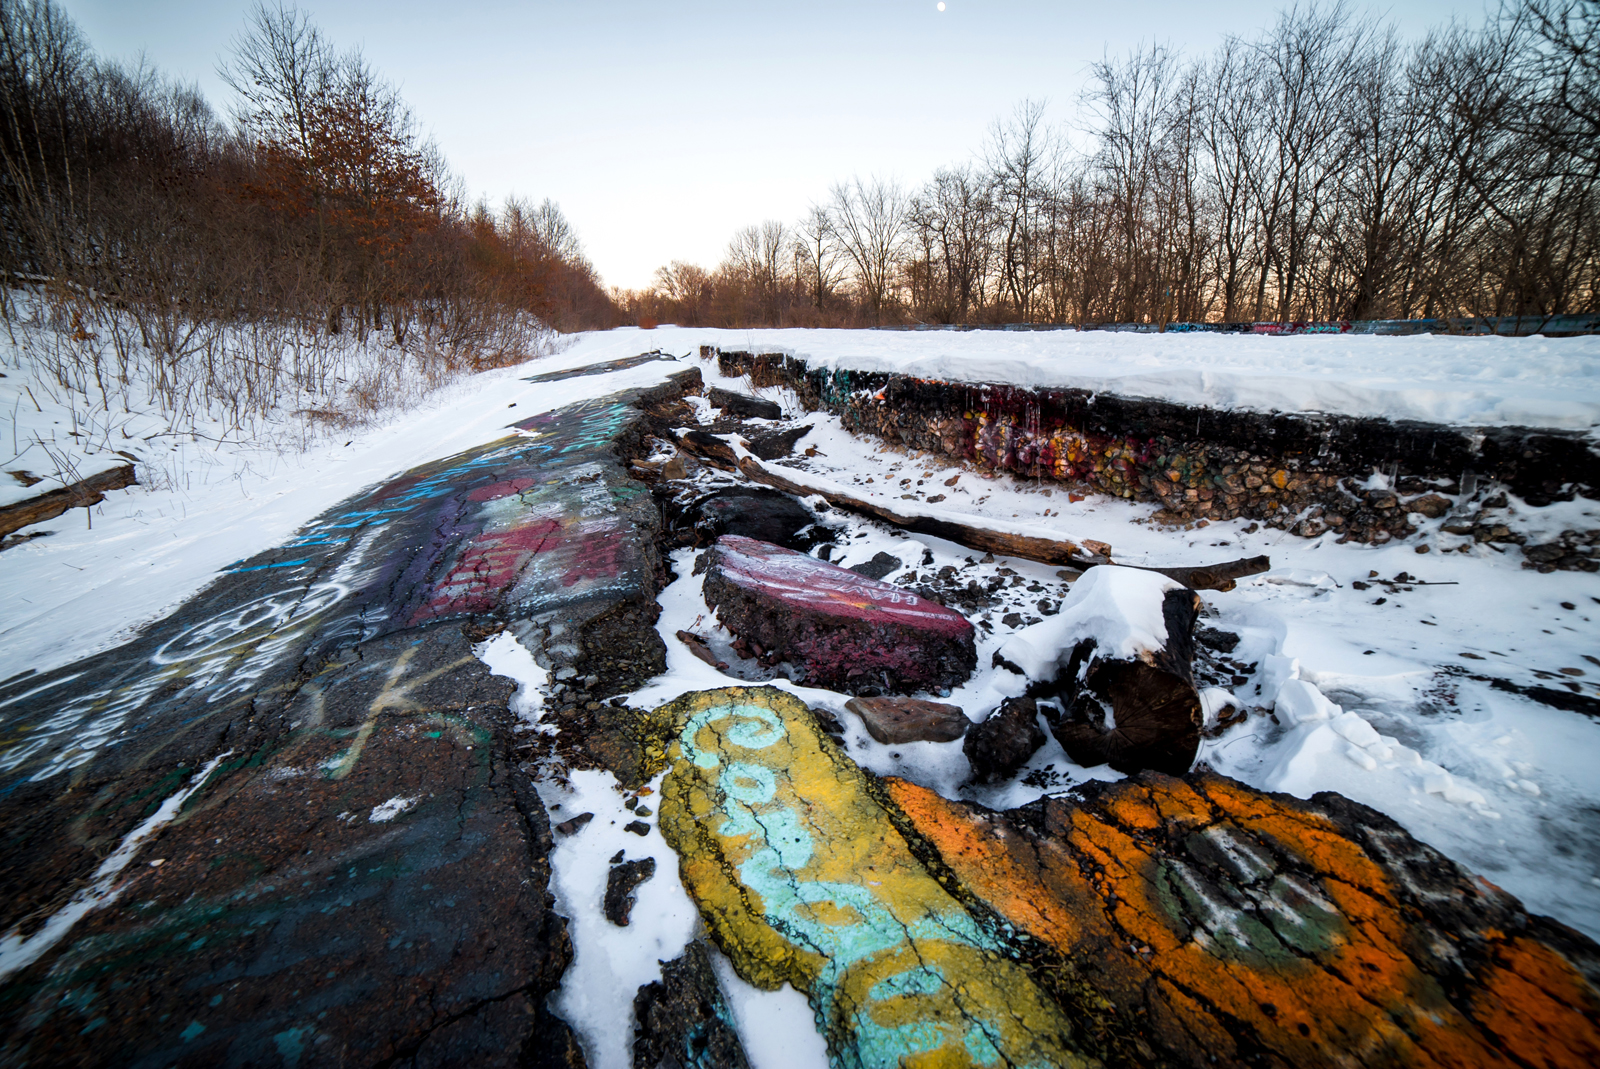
1084, 554
1215, 576
81, 494
936, 522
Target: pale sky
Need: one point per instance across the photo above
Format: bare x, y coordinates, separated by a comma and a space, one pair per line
662, 128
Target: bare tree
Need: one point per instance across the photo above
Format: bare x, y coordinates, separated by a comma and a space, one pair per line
1017, 157
869, 225
816, 253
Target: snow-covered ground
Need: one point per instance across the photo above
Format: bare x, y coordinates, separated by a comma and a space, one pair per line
1364, 691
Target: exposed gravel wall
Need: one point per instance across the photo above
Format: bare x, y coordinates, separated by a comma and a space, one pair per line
1306, 473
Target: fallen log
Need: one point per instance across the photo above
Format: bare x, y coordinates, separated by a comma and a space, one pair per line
81, 494
921, 519
1214, 576
1120, 652
1015, 542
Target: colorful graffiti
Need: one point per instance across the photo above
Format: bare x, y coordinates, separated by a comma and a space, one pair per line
803, 879
817, 586
541, 521
845, 630
1188, 903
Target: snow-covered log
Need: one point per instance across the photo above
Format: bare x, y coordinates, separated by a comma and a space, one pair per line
1120, 654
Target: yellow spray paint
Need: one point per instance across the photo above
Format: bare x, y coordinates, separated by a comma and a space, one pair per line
802, 878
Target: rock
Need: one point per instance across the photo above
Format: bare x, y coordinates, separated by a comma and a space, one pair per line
754, 512
848, 632
802, 878
1002, 744
710, 448
880, 565
621, 882
1215, 639
1545, 552
1198, 922
777, 444
1430, 505
568, 827
741, 405
897, 720
683, 1019
1145, 682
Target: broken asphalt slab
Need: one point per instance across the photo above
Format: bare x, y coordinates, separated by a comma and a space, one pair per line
355, 867
1156, 920
848, 632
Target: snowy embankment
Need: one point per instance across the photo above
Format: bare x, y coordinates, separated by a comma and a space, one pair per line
1527, 382
1382, 691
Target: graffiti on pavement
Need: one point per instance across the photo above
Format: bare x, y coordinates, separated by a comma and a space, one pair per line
802, 878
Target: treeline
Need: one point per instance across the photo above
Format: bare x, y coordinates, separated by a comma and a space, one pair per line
1322, 169
317, 206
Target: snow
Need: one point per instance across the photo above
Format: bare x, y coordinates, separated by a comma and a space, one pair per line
609, 963
1119, 608
1484, 381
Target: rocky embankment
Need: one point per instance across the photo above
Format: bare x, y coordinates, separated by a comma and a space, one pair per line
1310, 474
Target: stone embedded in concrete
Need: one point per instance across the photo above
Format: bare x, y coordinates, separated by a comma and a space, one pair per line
683, 1019
1003, 742
743, 405
848, 632
897, 720
1197, 922
802, 878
